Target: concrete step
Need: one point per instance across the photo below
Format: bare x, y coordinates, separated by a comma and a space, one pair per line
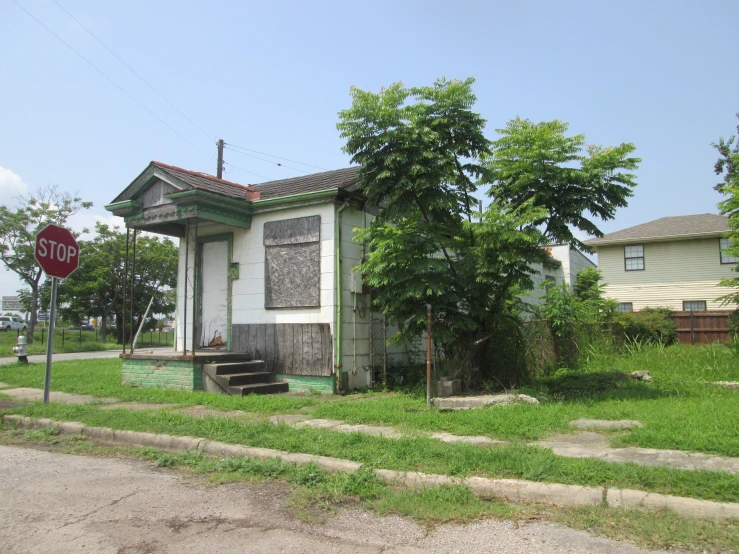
234, 379
235, 367
259, 388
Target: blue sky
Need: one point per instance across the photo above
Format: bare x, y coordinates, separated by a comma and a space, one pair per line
271, 76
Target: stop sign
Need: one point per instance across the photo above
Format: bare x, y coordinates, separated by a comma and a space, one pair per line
56, 251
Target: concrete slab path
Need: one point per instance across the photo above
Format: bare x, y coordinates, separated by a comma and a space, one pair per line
605, 424
336, 425
201, 412
595, 445
29, 394
137, 406
576, 445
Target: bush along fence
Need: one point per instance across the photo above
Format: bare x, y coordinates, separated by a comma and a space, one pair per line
548, 350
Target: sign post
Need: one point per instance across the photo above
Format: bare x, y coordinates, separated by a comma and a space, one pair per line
58, 254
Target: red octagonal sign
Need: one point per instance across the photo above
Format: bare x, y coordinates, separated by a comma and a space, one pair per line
57, 252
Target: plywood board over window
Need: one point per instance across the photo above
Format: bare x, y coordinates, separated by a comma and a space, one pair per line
292, 265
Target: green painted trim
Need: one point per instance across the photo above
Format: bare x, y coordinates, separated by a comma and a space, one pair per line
308, 383
337, 294
319, 194
217, 214
220, 237
195, 196
123, 206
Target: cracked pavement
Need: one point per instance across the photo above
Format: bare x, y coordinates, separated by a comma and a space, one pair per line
51, 502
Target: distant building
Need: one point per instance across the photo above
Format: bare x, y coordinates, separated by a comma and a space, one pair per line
674, 262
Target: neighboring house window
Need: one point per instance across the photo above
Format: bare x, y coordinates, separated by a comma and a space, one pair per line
725, 258
625, 307
694, 305
549, 282
634, 258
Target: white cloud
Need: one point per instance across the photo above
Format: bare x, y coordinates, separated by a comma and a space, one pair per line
86, 220
11, 186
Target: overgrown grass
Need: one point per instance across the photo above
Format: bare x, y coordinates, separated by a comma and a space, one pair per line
680, 409
411, 453
102, 378
316, 495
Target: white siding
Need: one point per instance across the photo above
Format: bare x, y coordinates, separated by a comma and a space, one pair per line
578, 262
181, 279
674, 271
247, 291
355, 307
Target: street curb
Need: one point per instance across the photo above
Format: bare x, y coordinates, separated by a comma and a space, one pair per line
513, 490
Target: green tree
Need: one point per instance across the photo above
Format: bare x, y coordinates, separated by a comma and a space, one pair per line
96, 288
422, 152
728, 167
18, 229
575, 183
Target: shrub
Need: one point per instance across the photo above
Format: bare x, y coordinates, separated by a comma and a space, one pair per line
648, 325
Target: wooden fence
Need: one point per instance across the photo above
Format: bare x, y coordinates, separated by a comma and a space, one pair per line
702, 327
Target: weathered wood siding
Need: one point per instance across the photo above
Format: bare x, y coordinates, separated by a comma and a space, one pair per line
290, 348
154, 195
675, 271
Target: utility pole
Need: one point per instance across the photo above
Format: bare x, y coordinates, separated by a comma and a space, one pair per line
219, 171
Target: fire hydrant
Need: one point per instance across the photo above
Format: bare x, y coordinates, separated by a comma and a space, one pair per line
20, 350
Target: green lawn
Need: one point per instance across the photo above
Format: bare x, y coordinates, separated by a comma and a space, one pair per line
76, 341
679, 410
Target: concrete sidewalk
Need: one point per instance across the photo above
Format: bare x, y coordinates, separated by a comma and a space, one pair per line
66, 356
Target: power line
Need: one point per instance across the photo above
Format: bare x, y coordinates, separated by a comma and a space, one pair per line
268, 161
119, 87
246, 170
117, 57
278, 157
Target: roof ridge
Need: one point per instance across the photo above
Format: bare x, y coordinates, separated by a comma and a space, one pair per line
298, 177
202, 174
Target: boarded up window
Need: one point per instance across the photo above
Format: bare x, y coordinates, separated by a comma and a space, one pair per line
292, 264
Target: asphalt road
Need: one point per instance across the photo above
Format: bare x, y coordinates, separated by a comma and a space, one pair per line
63, 504
40, 358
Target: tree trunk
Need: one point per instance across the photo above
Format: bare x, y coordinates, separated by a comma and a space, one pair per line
104, 326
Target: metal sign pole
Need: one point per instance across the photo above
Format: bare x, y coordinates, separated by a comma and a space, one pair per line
428, 356
50, 343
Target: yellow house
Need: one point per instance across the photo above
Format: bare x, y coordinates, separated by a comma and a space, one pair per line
673, 262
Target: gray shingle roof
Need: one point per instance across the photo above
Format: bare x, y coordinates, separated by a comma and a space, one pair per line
335, 179
666, 227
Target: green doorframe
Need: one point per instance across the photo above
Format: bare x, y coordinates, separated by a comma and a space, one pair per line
222, 237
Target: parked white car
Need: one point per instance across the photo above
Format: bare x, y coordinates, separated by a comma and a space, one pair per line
8, 323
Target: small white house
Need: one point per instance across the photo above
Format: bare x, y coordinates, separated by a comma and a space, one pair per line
266, 272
